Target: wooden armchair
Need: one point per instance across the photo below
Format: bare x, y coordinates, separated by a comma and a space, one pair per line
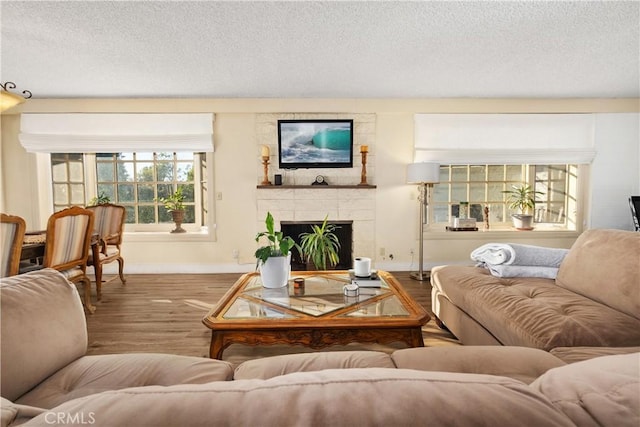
12, 234
68, 246
109, 226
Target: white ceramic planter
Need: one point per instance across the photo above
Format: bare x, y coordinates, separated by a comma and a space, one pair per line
522, 222
275, 272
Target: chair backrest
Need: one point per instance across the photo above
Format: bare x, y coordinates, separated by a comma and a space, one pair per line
634, 203
12, 229
109, 222
68, 238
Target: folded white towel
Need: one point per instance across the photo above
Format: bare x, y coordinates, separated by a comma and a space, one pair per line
516, 254
523, 271
493, 253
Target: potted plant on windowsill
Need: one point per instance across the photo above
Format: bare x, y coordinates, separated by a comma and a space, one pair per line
100, 199
174, 204
523, 199
274, 259
320, 246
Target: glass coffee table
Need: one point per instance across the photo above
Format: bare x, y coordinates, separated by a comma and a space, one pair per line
316, 314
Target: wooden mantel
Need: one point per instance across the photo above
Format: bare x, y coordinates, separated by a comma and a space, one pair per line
315, 187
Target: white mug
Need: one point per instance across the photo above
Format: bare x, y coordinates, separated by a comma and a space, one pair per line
362, 267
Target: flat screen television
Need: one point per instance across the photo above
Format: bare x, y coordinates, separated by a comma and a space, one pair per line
315, 144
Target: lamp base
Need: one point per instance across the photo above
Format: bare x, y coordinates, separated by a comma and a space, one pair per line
421, 277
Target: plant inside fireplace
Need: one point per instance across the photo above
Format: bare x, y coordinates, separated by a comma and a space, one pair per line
320, 246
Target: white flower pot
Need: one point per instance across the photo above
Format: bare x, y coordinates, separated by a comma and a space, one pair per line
522, 222
275, 272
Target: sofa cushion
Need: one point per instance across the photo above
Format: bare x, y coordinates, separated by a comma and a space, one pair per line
333, 397
280, 365
604, 265
43, 329
14, 414
95, 374
521, 363
604, 391
578, 354
534, 312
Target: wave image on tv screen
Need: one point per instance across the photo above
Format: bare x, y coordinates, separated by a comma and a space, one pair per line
315, 142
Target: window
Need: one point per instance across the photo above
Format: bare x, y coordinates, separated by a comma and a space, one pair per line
67, 176
137, 181
483, 185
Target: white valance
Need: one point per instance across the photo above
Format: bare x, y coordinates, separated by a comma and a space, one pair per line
113, 133
504, 138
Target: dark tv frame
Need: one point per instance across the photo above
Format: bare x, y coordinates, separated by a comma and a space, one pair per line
310, 165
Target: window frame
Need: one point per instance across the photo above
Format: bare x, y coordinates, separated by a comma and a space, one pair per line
574, 200
203, 199
199, 220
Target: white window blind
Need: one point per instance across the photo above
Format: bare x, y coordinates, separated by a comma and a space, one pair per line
504, 138
111, 133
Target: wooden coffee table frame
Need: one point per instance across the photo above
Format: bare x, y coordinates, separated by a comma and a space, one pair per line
315, 332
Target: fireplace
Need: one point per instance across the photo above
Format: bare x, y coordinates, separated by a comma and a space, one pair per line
344, 232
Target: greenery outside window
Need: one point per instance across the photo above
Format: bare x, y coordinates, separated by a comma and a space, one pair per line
483, 185
136, 181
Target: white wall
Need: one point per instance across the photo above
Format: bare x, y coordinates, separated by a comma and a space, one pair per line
237, 174
615, 174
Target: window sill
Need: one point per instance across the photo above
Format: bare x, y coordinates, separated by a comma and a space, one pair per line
500, 234
166, 236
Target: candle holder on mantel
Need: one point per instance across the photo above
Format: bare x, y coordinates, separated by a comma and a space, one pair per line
363, 175
265, 164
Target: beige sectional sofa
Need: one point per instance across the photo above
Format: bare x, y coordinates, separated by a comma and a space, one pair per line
594, 300
47, 380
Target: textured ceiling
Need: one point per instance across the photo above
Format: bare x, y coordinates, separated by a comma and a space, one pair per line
322, 49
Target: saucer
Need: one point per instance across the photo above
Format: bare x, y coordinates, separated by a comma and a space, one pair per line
373, 274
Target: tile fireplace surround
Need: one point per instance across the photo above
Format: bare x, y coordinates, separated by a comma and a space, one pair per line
312, 204
343, 200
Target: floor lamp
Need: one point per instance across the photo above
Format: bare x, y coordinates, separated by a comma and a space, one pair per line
425, 175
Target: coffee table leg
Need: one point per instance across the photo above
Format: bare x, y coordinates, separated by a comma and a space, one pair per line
217, 345
416, 337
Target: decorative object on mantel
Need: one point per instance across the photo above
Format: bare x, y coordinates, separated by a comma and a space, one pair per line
320, 180
425, 175
9, 99
364, 149
265, 163
274, 259
174, 204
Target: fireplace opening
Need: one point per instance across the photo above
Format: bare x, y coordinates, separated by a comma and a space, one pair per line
344, 232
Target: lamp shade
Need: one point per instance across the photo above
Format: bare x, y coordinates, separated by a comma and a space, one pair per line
8, 100
424, 172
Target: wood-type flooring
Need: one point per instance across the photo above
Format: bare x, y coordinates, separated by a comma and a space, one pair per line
157, 313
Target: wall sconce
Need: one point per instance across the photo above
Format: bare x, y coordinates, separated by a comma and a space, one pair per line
425, 175
8, 99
